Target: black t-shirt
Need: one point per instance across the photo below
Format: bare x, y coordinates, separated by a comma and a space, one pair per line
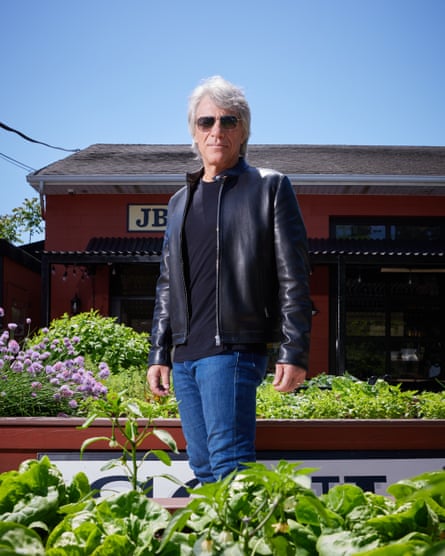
200, 273
199, 248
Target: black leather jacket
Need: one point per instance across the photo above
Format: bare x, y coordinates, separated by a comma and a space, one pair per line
262, 268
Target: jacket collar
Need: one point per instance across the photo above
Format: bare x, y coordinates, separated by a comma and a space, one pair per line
240, 167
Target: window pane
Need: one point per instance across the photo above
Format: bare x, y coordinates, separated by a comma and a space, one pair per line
359, 231
414, 232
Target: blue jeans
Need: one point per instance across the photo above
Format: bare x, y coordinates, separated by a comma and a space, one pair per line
217, 405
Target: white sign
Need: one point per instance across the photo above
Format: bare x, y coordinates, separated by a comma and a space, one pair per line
147, 218
371, 474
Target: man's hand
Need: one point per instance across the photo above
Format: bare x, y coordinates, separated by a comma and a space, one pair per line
288, 377
158, 379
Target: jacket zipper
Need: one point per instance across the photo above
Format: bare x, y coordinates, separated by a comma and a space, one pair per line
218, 265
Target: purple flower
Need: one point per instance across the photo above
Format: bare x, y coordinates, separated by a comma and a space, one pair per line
99, 389
17, 366
36, 385
13, 346
35, 355
35, 368
2, 312
65, 391
73, 404
12, 326
28, 321
77, 378
104, 371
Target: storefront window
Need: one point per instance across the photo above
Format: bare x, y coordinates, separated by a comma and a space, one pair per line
132, 291
402, 229
395, 322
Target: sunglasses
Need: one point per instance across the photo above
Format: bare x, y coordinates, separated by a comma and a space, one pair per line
226, 122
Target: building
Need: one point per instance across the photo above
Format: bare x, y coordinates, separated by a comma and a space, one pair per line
20, 286
376, 224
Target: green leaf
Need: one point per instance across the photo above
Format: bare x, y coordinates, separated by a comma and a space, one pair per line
162, 456
92, 440
90, 419
342, 499
17, 539
343, 543
166, 438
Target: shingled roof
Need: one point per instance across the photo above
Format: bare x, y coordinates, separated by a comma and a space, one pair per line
312, 169
125, 159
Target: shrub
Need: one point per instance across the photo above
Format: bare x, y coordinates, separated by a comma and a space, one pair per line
98, 339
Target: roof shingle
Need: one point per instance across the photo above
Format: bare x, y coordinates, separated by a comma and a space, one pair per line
125, 159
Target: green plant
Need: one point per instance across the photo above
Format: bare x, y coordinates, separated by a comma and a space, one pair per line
432, 405
246, 513
260, 510
30, 502
274, 511
35, 382
98, 339
129, 429
41, 515
346, 397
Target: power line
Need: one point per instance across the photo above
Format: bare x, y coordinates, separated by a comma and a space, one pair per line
16, 163
7, 128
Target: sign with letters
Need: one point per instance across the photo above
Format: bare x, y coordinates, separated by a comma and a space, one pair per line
372, 474
147, 218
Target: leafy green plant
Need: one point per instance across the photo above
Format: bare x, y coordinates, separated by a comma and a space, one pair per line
35, 382
30, 500
274, 511
128, 524
247, 513
97, 338
259, 510
346, 397
41, 515
129, 429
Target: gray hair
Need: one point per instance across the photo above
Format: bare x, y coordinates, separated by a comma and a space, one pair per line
225, 95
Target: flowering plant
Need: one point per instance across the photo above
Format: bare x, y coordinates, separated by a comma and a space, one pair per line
37, 381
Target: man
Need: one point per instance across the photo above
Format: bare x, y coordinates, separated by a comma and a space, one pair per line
234, 276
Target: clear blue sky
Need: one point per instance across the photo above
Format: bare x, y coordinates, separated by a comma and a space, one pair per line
357, 72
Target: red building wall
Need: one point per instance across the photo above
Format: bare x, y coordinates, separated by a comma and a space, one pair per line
21, 294
317, 209
72, 220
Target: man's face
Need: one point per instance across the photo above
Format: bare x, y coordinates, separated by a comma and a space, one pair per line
219, 147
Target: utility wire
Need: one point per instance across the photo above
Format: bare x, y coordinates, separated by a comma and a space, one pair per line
17, 162
7, 128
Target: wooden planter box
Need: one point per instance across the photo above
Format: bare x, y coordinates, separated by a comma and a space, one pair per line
390, 449
26, 437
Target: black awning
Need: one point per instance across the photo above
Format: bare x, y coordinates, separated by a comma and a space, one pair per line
321, 251
125, 245
372, 251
